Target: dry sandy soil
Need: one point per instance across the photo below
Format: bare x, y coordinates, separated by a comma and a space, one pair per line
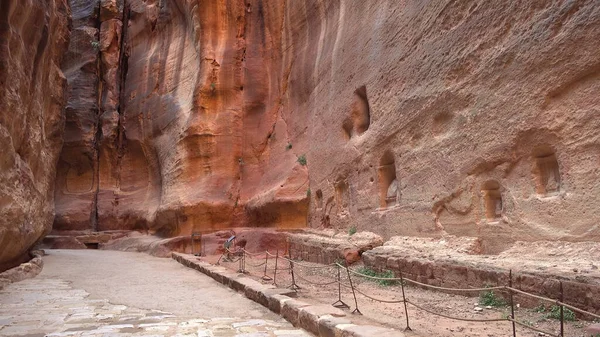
422, 323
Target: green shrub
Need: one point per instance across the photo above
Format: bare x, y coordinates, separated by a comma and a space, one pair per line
489, 298
554, 313
383, 274
302, 160
308, 192
352, 230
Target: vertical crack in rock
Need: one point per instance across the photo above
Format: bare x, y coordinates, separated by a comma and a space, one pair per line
98, 136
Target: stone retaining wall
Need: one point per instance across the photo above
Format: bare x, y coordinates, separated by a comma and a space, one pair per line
321, 320
581, 292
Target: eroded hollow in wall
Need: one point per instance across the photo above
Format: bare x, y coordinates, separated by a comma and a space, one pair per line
492, 200
319, 199
360, 116
546, 172
389, 192
342, 195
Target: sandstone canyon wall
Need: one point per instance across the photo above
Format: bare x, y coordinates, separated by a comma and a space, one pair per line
174, 123
33, 37
470, 118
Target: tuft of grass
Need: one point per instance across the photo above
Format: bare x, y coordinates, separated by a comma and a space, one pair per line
554, 313
383, 274
95, 45
213, 86
288, 146
308, 192
352, 230
489, 298
302, 160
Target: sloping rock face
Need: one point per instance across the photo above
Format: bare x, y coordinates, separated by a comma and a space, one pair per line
33, 38
468, 118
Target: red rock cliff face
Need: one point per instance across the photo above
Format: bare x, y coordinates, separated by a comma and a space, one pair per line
472, 118
451, 117
185, 131
33, 37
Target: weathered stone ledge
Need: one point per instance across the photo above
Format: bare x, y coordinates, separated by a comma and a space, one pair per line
451, 273
25, 270
321, 320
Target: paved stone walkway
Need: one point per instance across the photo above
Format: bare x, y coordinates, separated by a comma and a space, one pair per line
50, 306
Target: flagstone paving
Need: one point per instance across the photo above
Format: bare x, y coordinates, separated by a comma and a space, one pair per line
50, 306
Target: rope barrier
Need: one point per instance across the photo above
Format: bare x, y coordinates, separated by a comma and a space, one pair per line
531, 327
315, 283
457, 318
377, 299
241, 256
307, 266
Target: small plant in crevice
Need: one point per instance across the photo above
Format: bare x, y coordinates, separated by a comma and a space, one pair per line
302, 159
95, 45
382, 274
489, 298
213, 86
308, 192
352, 230
288, 146
554, 313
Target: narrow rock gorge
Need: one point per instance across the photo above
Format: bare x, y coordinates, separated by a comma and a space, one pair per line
465, 118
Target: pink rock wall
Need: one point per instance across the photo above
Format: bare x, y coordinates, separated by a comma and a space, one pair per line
33, 38
468, 118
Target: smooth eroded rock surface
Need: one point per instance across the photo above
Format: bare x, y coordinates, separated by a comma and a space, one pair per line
467, 118
33, 38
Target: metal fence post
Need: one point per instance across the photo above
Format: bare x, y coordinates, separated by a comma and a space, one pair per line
339, 303
275, 271
562, 311
512, 304
355, 311
293, 286
404, 299
266, 277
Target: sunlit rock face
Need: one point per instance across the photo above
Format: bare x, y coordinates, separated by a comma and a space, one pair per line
33, 38
186, 131
469, 118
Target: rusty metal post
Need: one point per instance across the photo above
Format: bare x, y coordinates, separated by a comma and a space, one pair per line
355, 311
512, 304
339, 303
562, 311
265, 277
275, 271
404, 300
293, 286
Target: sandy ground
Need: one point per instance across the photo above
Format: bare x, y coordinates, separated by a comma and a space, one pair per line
422, 323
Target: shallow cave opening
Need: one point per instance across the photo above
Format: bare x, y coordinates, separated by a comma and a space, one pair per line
492, 200
546, 173
319, 199
92, 245
341, 195
360, 116
389, 191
